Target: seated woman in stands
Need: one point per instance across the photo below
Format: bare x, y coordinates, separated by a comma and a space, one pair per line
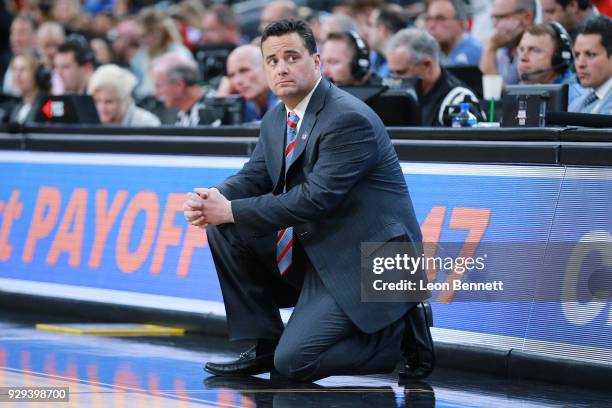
111, 88
32, 79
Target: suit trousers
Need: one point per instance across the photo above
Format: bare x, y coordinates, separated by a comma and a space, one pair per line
319, 339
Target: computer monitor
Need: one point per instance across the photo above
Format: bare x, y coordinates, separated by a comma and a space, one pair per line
396, 105
365, 92
211, 60
227, 110
526, 105
66, 109
471, 75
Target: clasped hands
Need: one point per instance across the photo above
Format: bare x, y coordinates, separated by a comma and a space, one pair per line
207, 206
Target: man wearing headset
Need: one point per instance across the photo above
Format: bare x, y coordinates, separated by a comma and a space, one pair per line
545, 57
346, 60
75, 64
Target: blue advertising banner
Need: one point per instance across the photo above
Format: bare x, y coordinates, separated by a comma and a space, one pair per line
110, 228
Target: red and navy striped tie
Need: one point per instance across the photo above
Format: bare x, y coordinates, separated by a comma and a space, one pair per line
284, 237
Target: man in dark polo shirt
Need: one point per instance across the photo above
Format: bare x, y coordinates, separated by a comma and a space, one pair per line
415, 53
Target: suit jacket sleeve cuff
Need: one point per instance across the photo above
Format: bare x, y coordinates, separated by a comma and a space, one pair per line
245, 228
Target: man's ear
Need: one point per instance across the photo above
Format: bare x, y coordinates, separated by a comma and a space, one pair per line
317, 60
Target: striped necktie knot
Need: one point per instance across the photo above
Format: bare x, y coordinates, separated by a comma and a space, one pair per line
292, 120
592, 97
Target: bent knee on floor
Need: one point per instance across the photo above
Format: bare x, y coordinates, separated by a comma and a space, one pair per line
293, 365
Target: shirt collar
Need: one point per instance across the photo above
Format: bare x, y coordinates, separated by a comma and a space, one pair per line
604, 89
300, 109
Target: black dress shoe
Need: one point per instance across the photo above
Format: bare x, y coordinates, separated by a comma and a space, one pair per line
418, 346
249, 363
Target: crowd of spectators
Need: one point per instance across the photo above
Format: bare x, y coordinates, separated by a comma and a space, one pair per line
147, 63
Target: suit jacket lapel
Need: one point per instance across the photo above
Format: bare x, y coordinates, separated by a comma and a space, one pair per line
312, 111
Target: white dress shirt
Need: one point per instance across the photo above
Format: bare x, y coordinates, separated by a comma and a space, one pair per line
300, 109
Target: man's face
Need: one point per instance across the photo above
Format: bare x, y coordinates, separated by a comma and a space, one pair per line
554, 12
442, 22
402, 65
246, 74
21, 36
535, 52
126, 34
593, 65
505, 13
214, 32
170, 93
73, 76
23, 75
291, 71
336, 58
111, 108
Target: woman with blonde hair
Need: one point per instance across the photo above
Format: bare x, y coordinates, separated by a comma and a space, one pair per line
32, 79
158, 35
111, 88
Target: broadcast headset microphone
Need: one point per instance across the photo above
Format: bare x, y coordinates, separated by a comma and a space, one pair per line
526, 75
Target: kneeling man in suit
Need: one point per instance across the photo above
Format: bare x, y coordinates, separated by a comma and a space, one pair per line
287, 229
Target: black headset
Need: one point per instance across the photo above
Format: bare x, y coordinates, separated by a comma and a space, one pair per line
563, 57
42, 76
360, 64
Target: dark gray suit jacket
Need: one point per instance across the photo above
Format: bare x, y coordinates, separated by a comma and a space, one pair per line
344, 187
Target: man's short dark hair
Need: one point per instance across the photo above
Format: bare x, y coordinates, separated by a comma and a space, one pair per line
283, 27
601, 25
582, 4
393, 17
79, 47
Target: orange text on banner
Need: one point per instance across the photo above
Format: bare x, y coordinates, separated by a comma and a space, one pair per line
148, 202
48, 201
169, 234
68, 241
10, 211
476, 221
105, 220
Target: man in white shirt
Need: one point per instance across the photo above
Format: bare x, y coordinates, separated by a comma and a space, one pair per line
593, 50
